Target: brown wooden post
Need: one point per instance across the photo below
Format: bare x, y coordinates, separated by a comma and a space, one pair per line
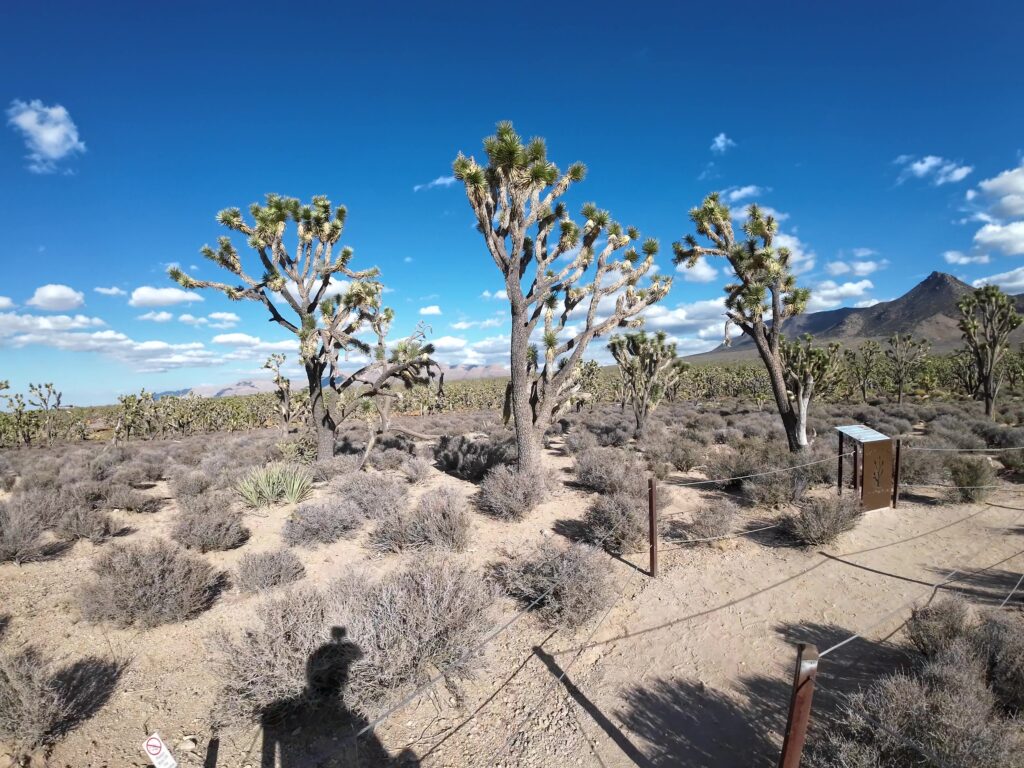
896, 474
856, 466
840, 469
799, 705
652, 503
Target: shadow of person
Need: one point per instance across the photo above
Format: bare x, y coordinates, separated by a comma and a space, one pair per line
315, 729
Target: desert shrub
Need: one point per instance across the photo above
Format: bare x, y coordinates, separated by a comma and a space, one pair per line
130, 500
440, 519
922, 467
148, 585
471, 458
1012, 461
1001, 638
935, 627
328, 469
374, 495
20, 532
614, 433
972, 475
48, 505
610, 470
258, 572
666, 451
276, 482
946, 708
208, 524
416, 469
39, 705
189, 482
322, 521
508, 494
104, 464
713, 520
8, 475
405, 626
83, 522
388, 458
38, 475
566, 586
822, 520
577, 440
301, 450
618, 522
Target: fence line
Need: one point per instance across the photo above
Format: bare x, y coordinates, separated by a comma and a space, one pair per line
829, 460
962, 450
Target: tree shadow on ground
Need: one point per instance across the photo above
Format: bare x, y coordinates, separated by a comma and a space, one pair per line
686, 722
84, 686
572, 529
315, 729
5, 623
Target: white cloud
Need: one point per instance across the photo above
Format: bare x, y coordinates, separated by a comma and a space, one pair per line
248, 346
433, 309
49, 133
801, 258
1012, 281
962, 259
449, 343
829, 294
111, 291
491, 322
863, 253
866, 303
721, 143
1008, 238
856, 268
12, 324
5, 302
56, 298
148, 296
189, 319
1007, 190
407, 260
223, 319
501, 295
735, 194
701, 272
938, 169
440, 181
157, 317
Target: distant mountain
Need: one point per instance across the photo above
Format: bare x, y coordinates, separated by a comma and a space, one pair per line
255, 386
927, 311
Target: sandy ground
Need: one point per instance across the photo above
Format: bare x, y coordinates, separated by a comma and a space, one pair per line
692, 668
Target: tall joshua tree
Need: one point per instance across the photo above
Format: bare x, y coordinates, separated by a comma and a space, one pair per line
764, 287
987, 317
299, 280
648, 367
809, 371
568, 283
905, 356
864, 365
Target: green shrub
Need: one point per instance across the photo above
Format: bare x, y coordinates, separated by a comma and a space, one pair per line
276, 482
972, 477
821, 521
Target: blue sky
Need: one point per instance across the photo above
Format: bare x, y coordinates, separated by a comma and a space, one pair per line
889, 137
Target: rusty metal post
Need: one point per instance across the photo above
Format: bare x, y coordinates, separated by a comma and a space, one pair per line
840, 469
856, 466
799, 705
652, 503
896, 474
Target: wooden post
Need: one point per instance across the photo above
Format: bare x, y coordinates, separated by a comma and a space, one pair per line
840, 469
799, 705
856, 466
652, 503
896, 474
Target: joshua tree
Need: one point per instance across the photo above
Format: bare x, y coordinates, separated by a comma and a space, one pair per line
765, 286
965, 371
809, 371
987, 317
906, 356
648, 367
47, 399
283, 391
303, 280
864, 365
545, 259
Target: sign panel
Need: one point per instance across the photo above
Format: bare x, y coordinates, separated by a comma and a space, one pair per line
876, 489
158, 753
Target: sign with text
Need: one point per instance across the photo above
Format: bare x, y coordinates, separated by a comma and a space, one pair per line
158, 753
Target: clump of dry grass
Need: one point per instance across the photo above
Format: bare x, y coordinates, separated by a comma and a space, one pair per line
713, 520
20, 533
440, 519
207, 523
618, 522
822, 520
259, 572
508, 494
322, 521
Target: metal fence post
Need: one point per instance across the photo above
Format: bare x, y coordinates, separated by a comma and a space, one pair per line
652, 503
799, 705
896, 474
839, 470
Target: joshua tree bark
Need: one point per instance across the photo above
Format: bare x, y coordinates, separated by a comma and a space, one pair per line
987, 317
905, 357
302, 280
809, 371
515, 201
765, 285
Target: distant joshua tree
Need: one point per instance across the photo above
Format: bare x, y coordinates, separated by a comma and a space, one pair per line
563, 301
906, 357
809, 371
648, 368
765, 287
987, 317
864, 365
325, 321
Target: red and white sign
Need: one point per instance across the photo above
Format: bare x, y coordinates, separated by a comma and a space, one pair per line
158, 753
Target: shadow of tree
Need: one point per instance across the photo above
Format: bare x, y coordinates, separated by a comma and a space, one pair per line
315, 728
5, 623
572, 529
84, 686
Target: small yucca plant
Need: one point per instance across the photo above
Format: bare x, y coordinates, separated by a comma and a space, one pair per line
263, 486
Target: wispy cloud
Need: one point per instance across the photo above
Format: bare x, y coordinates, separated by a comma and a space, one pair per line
157, 317
735, 194
49, 133
433, 309
501, 295
937, 169
440, 181
148, 296
961, 259
721, 144
111, 291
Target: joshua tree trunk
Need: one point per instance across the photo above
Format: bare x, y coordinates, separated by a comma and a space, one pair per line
795, 437
527, 440
322, 422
